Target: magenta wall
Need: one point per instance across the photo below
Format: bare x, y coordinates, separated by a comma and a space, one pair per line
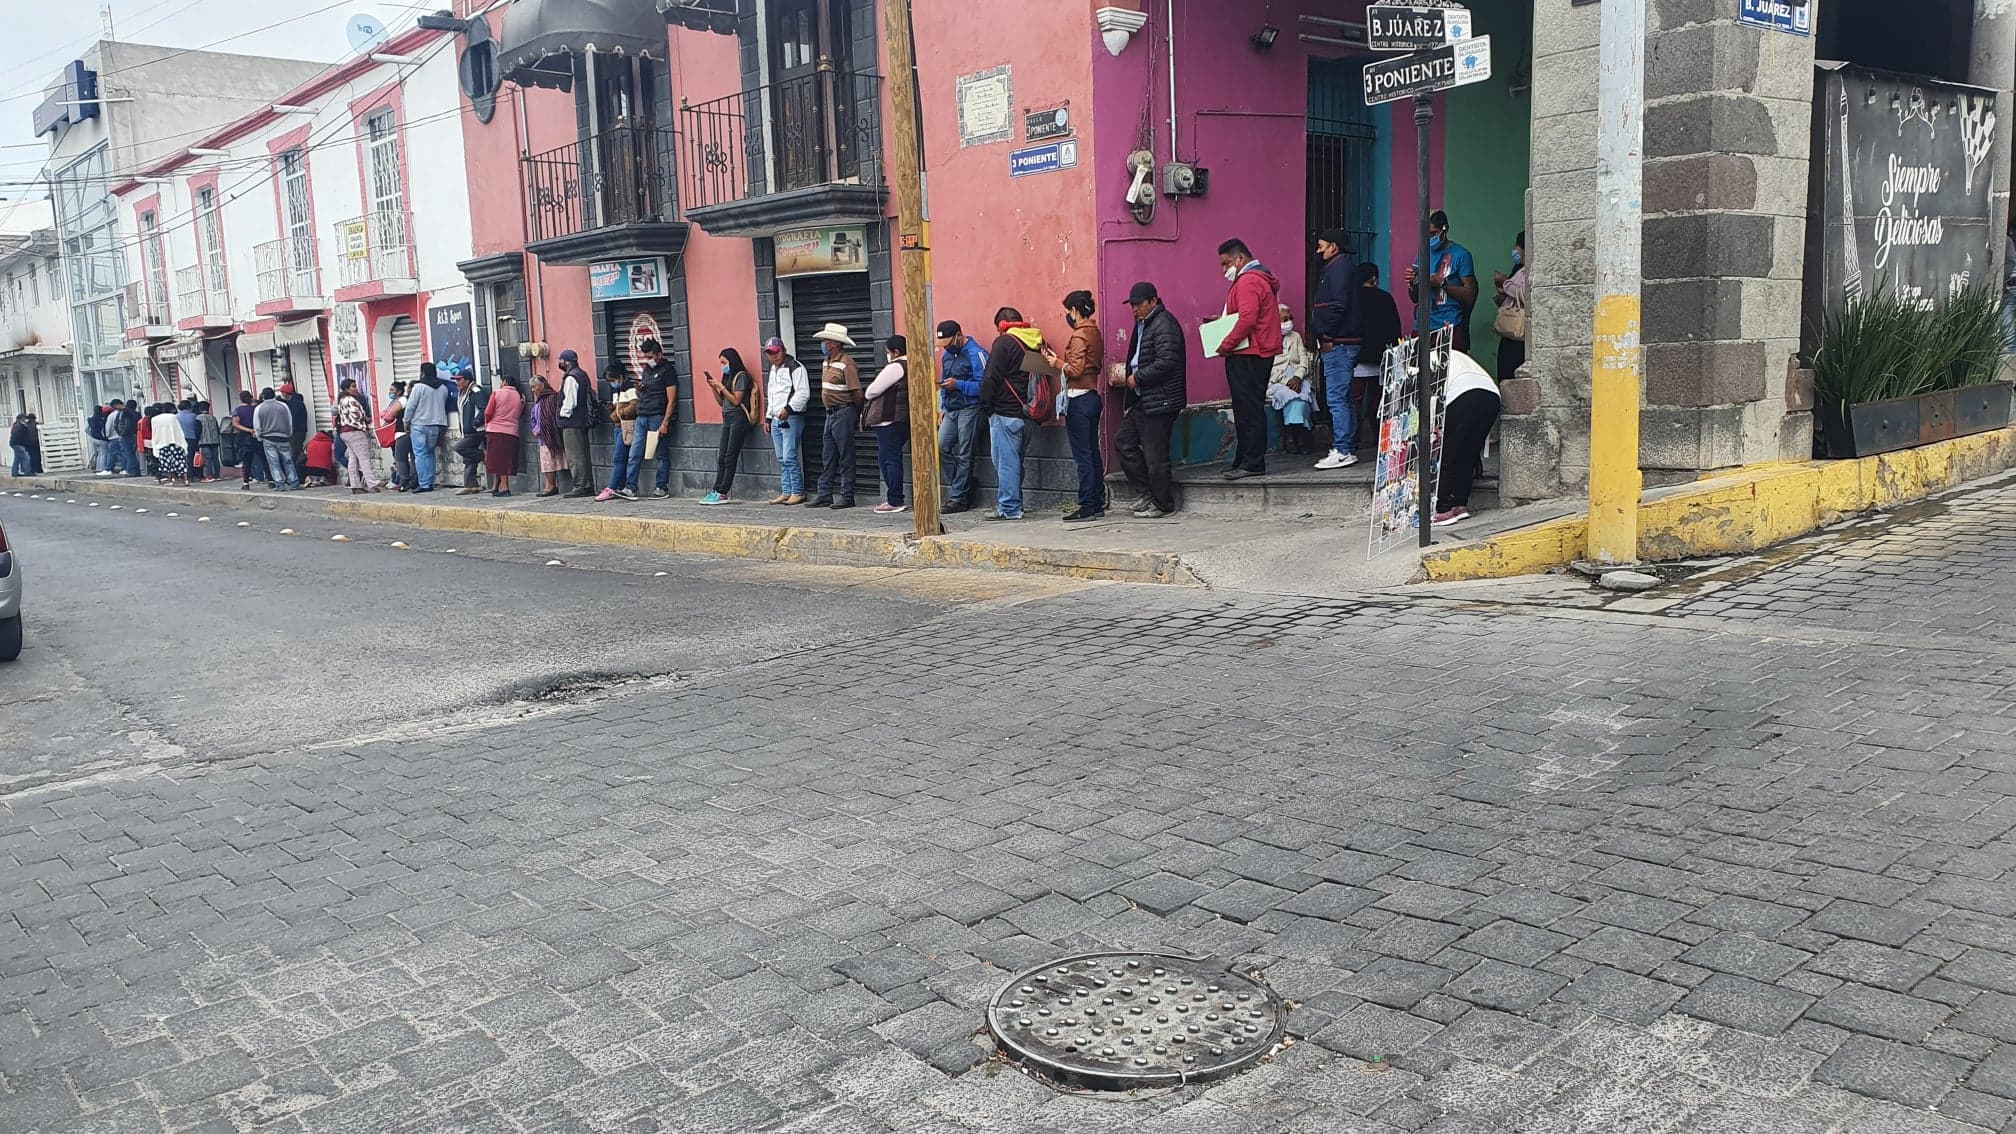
1242, 114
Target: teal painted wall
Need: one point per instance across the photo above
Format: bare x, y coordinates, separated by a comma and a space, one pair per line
1487, 130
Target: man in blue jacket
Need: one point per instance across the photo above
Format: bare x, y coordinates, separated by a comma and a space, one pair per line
1338, 337
959, 399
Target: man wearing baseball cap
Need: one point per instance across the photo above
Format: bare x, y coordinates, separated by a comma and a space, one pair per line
1154, 387
959, 400
787, 391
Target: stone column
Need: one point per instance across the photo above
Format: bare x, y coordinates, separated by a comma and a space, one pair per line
1727, 133
1545, 428
1993, 64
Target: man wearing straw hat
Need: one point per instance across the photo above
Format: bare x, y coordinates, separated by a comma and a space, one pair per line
840, 392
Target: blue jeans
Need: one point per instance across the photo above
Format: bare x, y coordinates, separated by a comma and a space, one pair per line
1338, 363
212, 469
126, 455
426, 438
788, 438
619, 460
1081, 423
1009, 437
958, 433
280, 462
649, 424
889, 454
24, 462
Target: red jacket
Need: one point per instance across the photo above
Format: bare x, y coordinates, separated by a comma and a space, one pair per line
1256, 299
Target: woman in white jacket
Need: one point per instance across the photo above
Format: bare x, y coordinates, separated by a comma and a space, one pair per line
787, 392
1288, 387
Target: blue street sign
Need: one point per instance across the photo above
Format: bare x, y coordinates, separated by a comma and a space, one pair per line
1046, 158
1795, 16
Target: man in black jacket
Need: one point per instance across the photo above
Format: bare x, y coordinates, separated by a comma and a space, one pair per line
1336, 327
297, 410
1155, 389
1005, 393
470, 403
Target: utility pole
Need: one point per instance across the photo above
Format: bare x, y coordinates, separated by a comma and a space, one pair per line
1618, 373
906, 148
1424, 322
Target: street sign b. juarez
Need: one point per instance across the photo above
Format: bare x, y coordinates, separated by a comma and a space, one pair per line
1413, 27
1425, 72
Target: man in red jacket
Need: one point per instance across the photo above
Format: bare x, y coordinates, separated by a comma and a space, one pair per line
1249, 350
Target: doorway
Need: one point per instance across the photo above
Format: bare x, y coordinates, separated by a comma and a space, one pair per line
1343, 145
812, 92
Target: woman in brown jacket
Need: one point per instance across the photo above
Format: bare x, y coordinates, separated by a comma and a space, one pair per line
1084, 354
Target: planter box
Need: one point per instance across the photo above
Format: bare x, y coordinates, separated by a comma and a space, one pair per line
1902, 423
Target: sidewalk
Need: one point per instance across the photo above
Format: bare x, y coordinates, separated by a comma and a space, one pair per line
1268, 553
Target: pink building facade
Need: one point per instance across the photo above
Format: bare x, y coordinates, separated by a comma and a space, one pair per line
729, 155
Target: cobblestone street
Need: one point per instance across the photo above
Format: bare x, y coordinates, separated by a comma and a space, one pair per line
1739, 865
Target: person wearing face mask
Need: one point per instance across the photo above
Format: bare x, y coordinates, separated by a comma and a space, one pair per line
741, 403
1084, 354
840, 392
1249, 350
1288, 387
1453, 278
1006, 394
1339, 337
1511, 321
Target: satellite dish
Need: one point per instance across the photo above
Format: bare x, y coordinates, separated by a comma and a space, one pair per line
366, 33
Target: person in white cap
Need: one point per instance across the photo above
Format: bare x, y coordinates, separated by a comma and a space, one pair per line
840, 392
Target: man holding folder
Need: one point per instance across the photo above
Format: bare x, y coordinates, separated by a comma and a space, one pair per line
1248, 345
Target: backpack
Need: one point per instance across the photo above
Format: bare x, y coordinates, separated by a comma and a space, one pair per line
1042, 404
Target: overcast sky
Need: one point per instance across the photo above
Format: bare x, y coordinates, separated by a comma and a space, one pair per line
58, 31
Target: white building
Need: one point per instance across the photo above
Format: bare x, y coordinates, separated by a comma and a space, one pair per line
107, 114
312, 238
35, 375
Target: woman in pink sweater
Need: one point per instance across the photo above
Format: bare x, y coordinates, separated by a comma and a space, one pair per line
500, 435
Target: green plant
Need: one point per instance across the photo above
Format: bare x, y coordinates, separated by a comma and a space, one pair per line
1878, 347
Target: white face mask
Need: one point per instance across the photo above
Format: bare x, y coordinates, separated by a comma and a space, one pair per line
1287, 327
1231, 273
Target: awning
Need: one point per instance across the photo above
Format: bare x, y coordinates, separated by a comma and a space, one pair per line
541, 37
182, 348
258, 343
133, 354
300, 332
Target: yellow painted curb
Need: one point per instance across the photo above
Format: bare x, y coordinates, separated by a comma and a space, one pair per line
1742, 510
776, 543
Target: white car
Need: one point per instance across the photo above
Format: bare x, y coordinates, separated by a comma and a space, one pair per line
10, 601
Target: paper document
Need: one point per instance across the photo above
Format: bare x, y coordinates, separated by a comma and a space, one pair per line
1211, 335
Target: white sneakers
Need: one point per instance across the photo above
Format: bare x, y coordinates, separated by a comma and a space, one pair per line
1337, 460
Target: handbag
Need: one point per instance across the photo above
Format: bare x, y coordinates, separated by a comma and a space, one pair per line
1510, 322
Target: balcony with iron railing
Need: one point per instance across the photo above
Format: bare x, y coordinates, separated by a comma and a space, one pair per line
202, 297
797, 153
611, 195
289, 277
374, 258
147, 310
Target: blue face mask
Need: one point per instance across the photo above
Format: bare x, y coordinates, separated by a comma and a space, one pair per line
1518, 259
724, 370
1435, 243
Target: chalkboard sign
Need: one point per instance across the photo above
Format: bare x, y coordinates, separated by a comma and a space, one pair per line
1900, 179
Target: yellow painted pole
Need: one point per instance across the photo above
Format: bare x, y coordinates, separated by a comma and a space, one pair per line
1617, 373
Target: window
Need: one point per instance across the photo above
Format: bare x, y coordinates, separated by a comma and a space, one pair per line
479, 78
381, 133
157, 269
294, 188
34, 286
210, 229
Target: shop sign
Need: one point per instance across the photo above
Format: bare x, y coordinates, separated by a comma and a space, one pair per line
1047, 158
822, 251
1794, 16
451, 337
353, 239
1426, 72
1050, 122
986, 106
627, 279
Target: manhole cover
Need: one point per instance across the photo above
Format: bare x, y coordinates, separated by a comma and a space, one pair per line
1119, 1020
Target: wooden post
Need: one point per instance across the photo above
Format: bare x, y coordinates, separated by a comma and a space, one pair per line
906, 153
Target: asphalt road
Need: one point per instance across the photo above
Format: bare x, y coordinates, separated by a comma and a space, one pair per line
155, 640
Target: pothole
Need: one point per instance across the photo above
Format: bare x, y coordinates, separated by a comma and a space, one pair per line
1123, 1021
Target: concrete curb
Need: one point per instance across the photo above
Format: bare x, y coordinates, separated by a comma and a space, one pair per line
776, 543
1744, 510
